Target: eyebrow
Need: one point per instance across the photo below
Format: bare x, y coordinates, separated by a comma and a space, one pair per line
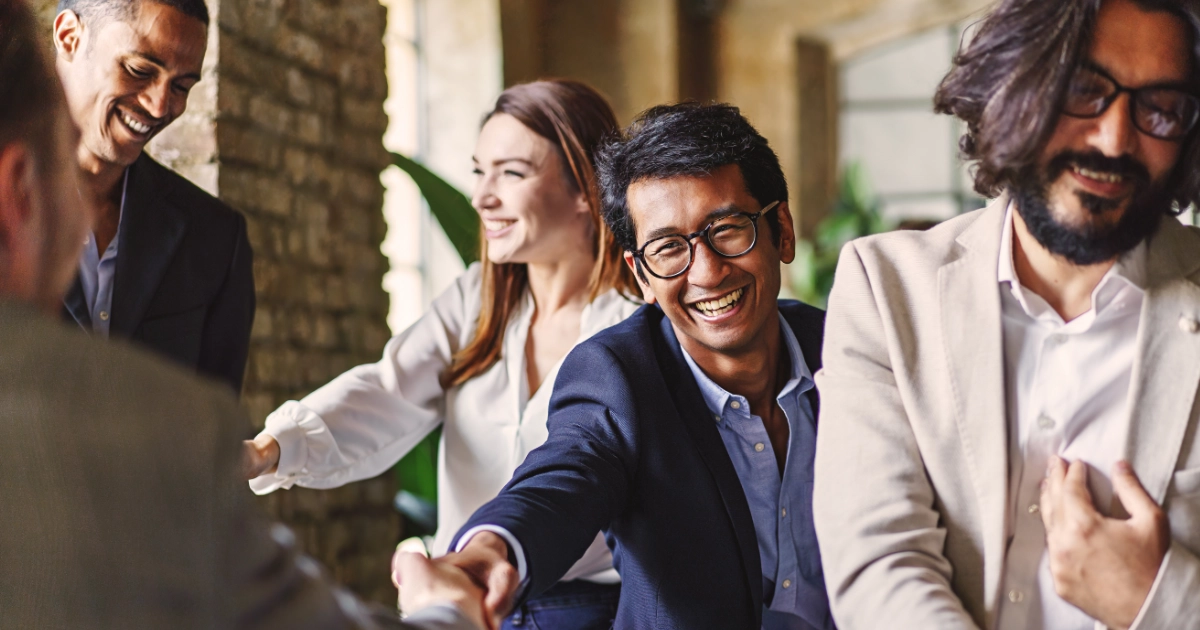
161, 64
505, 160
719, 213
1095, 66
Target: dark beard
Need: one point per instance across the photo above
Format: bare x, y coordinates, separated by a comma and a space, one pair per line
1091, 243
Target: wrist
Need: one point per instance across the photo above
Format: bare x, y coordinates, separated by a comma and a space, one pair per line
268, 452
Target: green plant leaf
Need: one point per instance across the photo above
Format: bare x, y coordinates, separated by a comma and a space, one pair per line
449, 206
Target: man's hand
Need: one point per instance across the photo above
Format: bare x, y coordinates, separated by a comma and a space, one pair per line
485, 560
259, 456
426, 583
1103, 566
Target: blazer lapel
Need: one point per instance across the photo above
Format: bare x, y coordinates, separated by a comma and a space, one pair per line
1166, 370
151, 229
75, 304
972, 334
700, 426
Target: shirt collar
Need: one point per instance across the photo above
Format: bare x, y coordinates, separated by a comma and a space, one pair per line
1129, 271
715, 396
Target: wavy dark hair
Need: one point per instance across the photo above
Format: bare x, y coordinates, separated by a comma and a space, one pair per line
1009, 84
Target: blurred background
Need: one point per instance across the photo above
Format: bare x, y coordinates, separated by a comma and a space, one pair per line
304, 101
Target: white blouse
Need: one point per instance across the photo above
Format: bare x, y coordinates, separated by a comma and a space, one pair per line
364, 421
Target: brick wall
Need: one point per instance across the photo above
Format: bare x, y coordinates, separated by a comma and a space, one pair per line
287, 127
299, 126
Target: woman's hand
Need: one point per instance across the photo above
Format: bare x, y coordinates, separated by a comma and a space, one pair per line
259, 456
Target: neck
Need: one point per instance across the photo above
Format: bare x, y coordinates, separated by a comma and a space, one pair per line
562, 283
103, 178
753, 372
1065, 286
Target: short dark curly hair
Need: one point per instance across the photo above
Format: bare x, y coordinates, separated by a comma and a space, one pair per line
687, 139
101, 11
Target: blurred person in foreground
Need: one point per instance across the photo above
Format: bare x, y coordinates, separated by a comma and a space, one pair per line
104, 521
481, 362
1009, 432
687, 431
165, 264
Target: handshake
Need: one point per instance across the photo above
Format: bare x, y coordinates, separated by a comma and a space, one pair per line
478, 581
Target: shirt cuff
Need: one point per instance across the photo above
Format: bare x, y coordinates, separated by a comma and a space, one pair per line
513, 545
284, 425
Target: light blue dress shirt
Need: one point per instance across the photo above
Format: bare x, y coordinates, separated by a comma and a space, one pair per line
96, 273
791, 575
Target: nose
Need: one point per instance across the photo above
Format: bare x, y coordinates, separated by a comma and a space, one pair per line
1114, 133
484, 197
708, 269
156, 100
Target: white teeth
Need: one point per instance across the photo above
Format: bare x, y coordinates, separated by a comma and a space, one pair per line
1109, 178
135, 125
493, 225
720, 305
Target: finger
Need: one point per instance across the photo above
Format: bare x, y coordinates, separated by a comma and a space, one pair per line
1056, 470
1132, 495
408, 566
1076, 497
501, 586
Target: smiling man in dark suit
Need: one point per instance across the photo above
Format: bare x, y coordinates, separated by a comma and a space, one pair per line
686, 432
166, 265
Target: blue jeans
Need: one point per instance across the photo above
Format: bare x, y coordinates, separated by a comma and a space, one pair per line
573, 605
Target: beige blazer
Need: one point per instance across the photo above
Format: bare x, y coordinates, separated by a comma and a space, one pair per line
911, 467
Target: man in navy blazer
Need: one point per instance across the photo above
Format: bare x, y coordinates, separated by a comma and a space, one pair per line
166, 264
686, 433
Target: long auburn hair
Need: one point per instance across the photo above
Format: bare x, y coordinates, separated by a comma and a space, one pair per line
575, 118
1009, 84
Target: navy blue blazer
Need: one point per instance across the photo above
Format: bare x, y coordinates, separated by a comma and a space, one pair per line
634, 451
184, 285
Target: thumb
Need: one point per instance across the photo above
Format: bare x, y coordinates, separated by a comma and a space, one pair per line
1129, 490
502, 582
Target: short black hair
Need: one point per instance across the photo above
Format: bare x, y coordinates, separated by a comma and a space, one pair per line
690, 140
101, 11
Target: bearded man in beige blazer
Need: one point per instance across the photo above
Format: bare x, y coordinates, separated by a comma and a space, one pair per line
1008, 434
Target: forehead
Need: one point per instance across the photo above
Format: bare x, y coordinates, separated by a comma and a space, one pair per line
505, 137
685, 202
1141, 47
159, 31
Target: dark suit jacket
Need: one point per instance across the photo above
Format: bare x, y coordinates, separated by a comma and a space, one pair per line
633, 450
111, 518
184, 286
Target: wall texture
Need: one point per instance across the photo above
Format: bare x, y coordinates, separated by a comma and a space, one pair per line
287, 127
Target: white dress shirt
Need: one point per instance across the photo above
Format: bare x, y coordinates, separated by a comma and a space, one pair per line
365, 420
1067, 387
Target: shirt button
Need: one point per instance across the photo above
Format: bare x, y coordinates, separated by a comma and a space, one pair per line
1058, 339
787, 584
1033, 508
1189, 324
785, 511
759, 447
103, 316
735, 404
87, 239
1045, 422
717, 418
1016, 596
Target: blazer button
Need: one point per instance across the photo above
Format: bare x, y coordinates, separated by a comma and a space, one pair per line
1189, 324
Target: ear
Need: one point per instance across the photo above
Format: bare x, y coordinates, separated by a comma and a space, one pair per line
68, 34
16, 199
787, 234
647, 292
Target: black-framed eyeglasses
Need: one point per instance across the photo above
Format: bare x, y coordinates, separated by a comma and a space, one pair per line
1166, 111
730, 236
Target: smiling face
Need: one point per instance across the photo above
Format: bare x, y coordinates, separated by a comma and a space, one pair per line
725, 306
1099, 189
126, 80
530, 213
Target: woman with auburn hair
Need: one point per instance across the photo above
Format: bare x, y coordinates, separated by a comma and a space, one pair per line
482, 361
